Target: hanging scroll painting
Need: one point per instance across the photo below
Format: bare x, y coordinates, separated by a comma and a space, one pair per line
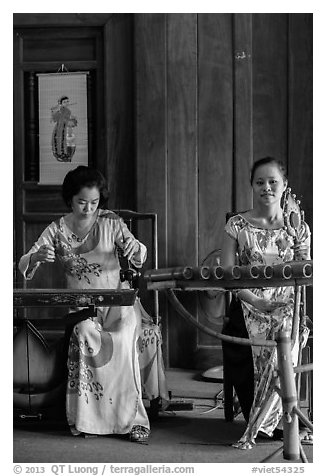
63, 138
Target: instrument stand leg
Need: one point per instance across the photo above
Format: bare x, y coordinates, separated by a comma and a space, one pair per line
291, 450
303, 456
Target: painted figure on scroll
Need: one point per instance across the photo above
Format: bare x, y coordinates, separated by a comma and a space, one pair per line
104, 388
63, 138
259, 237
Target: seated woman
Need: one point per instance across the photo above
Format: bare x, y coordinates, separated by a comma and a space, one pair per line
104, 394
259, 237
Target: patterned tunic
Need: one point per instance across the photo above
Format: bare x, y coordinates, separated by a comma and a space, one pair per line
260, 246
104, 390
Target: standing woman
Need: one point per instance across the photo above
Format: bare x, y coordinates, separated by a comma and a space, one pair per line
258, 237
104, 386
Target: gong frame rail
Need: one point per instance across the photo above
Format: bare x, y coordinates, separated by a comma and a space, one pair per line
291, 273
23, 298
226, 284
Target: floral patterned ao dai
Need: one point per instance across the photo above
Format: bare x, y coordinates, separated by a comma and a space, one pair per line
259, 246
114, 358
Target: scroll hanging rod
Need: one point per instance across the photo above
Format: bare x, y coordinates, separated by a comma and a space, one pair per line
62, 69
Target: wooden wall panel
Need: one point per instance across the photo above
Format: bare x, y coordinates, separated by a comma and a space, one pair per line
215, 127
150, 69
215, 144
41, 48
49, 20
119, 164
182, 138
42, 199
243, 126
182, 192
151, 151
300, 82
270, 89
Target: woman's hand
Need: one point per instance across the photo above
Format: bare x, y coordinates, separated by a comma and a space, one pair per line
45, 254
301, 251
131, 246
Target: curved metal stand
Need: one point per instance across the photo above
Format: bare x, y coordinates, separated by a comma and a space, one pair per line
190, 318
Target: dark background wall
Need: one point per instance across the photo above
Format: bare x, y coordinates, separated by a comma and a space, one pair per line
179, 107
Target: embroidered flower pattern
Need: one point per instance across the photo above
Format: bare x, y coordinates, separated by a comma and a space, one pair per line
78, 267
74, 264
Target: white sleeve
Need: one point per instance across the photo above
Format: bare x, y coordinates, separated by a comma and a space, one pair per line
46, 238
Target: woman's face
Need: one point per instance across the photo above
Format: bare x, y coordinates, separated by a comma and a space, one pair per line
86, 202
268, 184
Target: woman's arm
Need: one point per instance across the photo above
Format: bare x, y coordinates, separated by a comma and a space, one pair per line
41, 252
229, 251
228, 259
133, 250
